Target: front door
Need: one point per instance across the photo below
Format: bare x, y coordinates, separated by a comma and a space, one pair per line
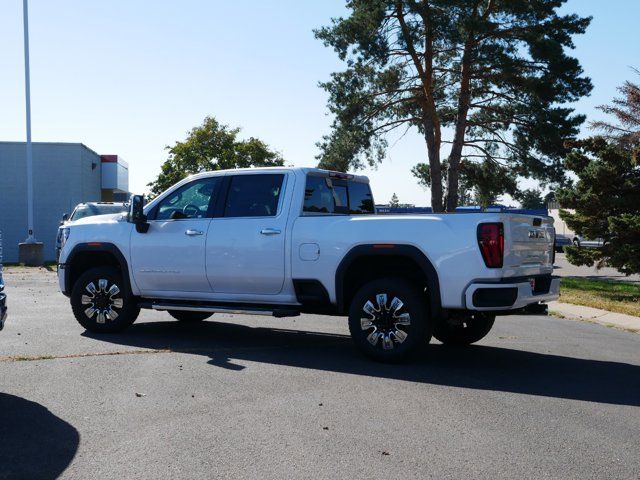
245, 247
171, 255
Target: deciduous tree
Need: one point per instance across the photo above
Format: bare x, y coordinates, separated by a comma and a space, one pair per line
212, 146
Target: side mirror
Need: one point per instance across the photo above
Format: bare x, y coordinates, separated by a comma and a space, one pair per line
65, 217
136, 214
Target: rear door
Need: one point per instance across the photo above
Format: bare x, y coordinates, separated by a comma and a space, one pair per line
246, 246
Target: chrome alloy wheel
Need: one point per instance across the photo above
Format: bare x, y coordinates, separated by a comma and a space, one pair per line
102, 301
385, 322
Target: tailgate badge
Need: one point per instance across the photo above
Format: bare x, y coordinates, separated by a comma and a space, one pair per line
536, 234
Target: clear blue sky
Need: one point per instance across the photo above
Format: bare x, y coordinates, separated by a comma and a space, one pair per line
130, 77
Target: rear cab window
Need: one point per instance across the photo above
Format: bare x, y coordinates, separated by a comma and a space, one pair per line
328, 195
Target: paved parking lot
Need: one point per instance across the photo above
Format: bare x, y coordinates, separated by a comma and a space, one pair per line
252, 397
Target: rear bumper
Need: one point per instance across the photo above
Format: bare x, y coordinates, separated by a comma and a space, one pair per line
511, 295
3, 309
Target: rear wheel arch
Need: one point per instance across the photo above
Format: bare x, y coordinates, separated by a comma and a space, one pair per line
365, 262
86, 256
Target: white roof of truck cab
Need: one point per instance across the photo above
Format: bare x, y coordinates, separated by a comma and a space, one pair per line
302, 170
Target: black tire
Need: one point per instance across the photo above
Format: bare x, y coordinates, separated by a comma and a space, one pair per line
464, 329
114, 309
381, 338
185, 316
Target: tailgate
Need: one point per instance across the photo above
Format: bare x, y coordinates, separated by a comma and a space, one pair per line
528, 245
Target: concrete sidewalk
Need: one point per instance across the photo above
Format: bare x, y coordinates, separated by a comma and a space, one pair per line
595, 315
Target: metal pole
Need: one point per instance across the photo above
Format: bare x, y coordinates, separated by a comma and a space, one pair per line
27, 89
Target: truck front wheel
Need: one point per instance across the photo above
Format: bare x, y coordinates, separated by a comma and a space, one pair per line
101, 303
389, 320
464, 328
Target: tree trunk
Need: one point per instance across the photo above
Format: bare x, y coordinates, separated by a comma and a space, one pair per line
431, 122
435, 169
453, 175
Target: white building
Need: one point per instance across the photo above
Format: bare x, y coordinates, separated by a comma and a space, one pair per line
64, 174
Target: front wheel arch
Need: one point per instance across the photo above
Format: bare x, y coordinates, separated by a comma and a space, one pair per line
85, 256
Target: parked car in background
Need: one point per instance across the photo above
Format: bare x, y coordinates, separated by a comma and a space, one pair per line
89, 209
580, 241
561, 242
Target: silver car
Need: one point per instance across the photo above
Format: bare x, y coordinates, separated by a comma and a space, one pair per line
89, 209
580, 241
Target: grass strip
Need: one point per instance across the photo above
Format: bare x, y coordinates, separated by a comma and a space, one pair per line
620, 297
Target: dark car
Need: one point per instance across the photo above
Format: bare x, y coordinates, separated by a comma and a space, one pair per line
561, 242
89, 209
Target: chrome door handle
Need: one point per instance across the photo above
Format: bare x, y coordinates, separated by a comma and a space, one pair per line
193, 233
270, 231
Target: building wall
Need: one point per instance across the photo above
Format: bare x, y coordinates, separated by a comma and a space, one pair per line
560, 226
65, 174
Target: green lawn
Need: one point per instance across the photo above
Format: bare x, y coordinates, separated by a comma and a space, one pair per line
618, 297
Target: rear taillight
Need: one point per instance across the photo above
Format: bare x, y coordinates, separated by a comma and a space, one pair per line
491, 243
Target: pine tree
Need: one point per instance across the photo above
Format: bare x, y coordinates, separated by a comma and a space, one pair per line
606, 198
496, 73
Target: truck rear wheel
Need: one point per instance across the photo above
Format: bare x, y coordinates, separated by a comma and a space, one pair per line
101, 302
463, 329
389, 320
186, 316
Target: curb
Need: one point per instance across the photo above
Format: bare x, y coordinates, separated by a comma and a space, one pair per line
621, 321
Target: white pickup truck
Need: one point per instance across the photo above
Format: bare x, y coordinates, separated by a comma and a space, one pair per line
285, 241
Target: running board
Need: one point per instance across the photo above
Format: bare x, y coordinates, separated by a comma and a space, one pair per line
244, 310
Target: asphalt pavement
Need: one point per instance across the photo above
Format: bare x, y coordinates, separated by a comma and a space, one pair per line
257, 397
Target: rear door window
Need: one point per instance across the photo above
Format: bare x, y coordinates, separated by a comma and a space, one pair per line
254, 195
325, 196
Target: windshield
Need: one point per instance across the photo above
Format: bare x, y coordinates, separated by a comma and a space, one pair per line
84, 211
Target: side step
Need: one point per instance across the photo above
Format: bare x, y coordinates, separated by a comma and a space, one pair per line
277, 312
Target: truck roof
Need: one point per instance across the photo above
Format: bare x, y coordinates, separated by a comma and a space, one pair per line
303, 170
